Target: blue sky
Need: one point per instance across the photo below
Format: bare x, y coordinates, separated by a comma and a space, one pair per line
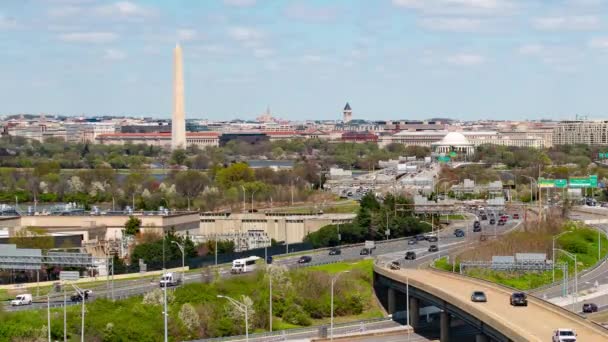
391, 59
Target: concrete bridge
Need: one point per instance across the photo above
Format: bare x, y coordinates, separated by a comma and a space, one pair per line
495, 320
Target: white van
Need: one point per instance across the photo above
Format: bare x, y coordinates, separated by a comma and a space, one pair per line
244, 265
170, 279
22, 299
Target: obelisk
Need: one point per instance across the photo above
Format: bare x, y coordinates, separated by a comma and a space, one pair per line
178, 122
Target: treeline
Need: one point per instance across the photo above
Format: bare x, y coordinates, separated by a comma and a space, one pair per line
220, 187
373, 220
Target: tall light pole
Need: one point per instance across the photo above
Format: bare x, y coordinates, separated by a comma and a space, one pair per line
48, 315
573, 257
333, 282
181, 249
83, 297
65, 317
244, 198
553, 250
270, 298
165, 313
253, 193
243, 308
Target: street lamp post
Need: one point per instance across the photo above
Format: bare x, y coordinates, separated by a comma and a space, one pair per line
48, 315
243, 308
181, 249
244, 199
553, 249
270, 299
83, 297
333, 282
165, 313
573, 257
253, 193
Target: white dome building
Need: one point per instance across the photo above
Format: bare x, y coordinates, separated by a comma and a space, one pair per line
454, 141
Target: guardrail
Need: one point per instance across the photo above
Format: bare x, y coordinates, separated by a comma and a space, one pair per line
553, 307
280, 335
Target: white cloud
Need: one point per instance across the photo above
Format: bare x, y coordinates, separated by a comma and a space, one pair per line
123, 9
567, 23
456, 6
310, 59
263, 52
184, 35
532, 49
303, 11
465, 59
244, 34
599, 42
451, 24
114, 55
88, 37
7, 22
240, 3
64, 11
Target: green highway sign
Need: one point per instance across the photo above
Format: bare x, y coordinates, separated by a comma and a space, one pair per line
584, 182
443, 159
453, 154
552, 183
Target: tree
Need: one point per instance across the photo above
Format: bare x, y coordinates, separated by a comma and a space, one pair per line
235, 173
179, 156
190, 184
132, 225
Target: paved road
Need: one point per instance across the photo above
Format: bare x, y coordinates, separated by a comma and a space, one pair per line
536, 322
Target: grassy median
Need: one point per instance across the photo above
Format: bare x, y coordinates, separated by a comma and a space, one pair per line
301, 297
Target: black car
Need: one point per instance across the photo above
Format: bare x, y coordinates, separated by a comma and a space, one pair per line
433, 248
335, 251
304, 259
479, 297
365, 251
409, 255
412, 241
476, 224
484, 217
395, 265
420, 237
519, 298
589, 307
492, 221
476, 229
77, 297
432, 238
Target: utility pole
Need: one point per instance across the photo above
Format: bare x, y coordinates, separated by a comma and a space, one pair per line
48, 315
165, 313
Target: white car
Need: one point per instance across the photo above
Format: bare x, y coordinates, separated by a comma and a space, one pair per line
564, 335
22, 299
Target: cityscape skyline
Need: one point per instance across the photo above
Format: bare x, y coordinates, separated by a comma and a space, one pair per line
400, 59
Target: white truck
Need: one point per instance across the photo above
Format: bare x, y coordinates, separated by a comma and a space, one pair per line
564, 335
22, 299
170, 279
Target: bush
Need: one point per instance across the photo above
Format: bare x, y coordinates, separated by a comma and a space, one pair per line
294, 314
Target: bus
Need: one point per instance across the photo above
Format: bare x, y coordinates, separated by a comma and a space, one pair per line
244, 265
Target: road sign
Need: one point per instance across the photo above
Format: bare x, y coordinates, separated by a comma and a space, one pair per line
584, 182
443, 159
69, 275
453, 154
552, 183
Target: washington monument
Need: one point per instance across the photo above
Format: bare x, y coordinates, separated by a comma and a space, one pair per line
178, 122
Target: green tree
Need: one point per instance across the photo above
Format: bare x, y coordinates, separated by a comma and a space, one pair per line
179, 156
132, 225
233, 174
190, 184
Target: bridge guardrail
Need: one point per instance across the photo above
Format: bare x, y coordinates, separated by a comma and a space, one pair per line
553, 307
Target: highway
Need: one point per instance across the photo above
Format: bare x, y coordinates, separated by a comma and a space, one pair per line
536, 322
390, 250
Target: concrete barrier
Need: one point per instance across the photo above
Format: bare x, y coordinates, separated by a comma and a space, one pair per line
93, 279
396, 331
